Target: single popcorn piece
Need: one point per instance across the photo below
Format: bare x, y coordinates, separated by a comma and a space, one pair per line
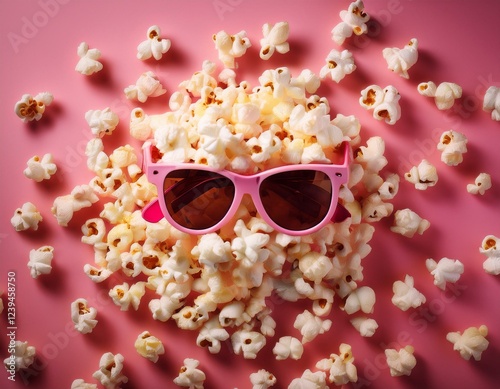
154, 46
310, 326
101, 122
365, 326
310, 380
230, 47
338, 65
340, 366
26, 217
41, 261
408, 223
288, 347
211, 335
110, 373
147, 85
401, 60
406, 296
21, 358
83, 316
125, 296
81, 384
275, 39
446, 270
40, 169
362, 298
490, 246
401, 362
64, 207
88, 63
471, 343
31, 108
444, 94
481, 184
491, 102
452, 145
149, 346
262, 379
189, 375
383, 102
248, 343
354, 20
422, 176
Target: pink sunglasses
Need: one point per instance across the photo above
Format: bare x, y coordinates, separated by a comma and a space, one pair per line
293, 199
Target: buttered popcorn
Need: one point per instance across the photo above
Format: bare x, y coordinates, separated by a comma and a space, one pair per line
154, 46
40, 169
40, 261
89, 60
31, 108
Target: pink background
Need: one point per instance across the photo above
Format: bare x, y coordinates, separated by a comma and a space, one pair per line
459, 42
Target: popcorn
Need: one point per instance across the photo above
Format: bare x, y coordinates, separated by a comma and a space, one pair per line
310, 326
401, 362
22, 357
471, 343
262, 379
189, 376
422, 176
110, 373
406, 295
248, 246
490, 247
354, 20
247, 342
491, 102
64, 207
341, 367
40, 169
32, 108
201, 79
88, 63
374, 209
26, 217
481, 184
275, 39
389, 188
211, 335
365, 326
362, 298
147, 85
408, 223
446, 270
233, 314
154, 46
383, 102
101, 122
315, 266
97, 159
338, 65
172, 141
164, 307
83, 316
81, 384
452, 145
288, 347
149, 346
230, 47
401, 60
444, 94
310, 380
41, 261
125, 296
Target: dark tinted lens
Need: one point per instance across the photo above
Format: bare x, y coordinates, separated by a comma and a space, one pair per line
297, 200
197, 199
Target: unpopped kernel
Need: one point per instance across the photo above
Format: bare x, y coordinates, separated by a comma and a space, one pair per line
26, 217
147, 85
491, 102
83, 316
383, 102
31, 108
444, 94
89, 60
40, 261
110, 373
274, 40
471, 343
154, 46
481, 184
338, 65
40, 169
402, 361
401, 60
354, 20
340, 367
406, 296
422, 176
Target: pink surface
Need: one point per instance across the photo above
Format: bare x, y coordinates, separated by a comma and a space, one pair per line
458, 42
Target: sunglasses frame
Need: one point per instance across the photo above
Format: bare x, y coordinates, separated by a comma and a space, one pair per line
243, 184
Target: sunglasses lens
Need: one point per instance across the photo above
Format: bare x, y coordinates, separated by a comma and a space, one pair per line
197, 199
297, 200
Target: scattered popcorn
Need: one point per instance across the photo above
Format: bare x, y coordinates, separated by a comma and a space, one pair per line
22, 357
490, 247
471, 343
401, 60
362, 298
406, 295
383, 102
316, 380
154, 46
288, 347
32, 108
64, 207
81, 384
125, 296
408, 223
310, 326
452, 145
401, 362
147, 85
491, 102
110, 373
83, 316
338, 65
340, 367
230, 47
189, 376
149, 346
211, 335
41, 261
88, 63
444, 94
422, 176
262, 379
40, 169
389, 188
275, 39
101, 122
354, 20
26, 217
365, 326
446, 270
247, 342
481, 184
94, 231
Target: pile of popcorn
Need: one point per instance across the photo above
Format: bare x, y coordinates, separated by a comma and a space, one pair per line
219, 284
